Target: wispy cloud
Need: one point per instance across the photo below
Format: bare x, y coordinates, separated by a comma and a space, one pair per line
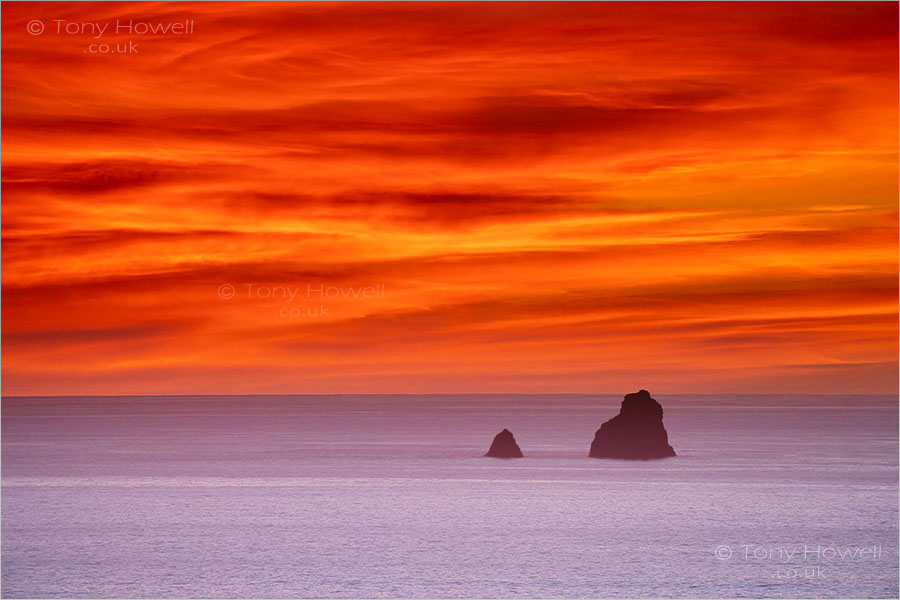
554, 196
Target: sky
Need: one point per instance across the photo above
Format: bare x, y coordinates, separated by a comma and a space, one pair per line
449, 198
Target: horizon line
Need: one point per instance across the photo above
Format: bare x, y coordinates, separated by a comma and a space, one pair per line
781, 394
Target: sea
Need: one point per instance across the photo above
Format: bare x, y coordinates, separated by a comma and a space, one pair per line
377, 496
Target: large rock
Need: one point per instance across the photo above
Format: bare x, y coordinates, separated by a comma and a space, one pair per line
504, 446
637, 432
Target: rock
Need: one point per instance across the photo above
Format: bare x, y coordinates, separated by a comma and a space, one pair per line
504, 446
637, 432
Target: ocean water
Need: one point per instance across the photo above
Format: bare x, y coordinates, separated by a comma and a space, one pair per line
388, 496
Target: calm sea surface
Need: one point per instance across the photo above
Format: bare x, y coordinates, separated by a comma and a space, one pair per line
388, 496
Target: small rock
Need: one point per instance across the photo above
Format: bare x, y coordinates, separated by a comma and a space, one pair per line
504, 446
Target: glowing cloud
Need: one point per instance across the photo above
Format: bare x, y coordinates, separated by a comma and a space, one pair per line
554, 196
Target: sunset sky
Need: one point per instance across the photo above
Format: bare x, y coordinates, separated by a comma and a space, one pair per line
577, 197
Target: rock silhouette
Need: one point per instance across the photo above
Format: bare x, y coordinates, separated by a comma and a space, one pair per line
637, 432
504, 446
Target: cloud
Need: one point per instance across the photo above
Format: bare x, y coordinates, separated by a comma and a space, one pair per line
101, 176
554, 195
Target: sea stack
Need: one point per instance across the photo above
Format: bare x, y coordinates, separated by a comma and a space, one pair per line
504, 446
636, 433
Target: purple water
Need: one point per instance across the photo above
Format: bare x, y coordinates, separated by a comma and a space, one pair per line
380, 496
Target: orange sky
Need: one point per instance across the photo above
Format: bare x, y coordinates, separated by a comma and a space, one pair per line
555, 198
